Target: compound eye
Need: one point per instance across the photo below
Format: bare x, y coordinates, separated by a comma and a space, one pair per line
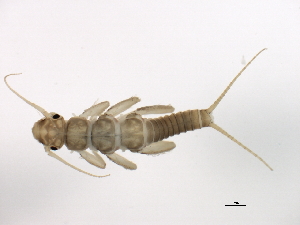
55, 116
53, 148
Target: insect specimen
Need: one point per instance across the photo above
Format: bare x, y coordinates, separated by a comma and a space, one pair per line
100, 130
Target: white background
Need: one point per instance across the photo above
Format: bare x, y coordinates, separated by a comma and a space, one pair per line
183, 53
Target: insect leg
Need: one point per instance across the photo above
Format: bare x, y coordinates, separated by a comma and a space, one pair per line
155, 109
95, 110
120, 160
122, 106
158, 147
94, 159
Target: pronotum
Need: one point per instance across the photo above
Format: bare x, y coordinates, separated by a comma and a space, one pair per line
101, 131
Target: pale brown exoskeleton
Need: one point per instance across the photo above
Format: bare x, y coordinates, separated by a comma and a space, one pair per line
102, 131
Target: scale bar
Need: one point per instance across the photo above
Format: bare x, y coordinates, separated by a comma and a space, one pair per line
235, 205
